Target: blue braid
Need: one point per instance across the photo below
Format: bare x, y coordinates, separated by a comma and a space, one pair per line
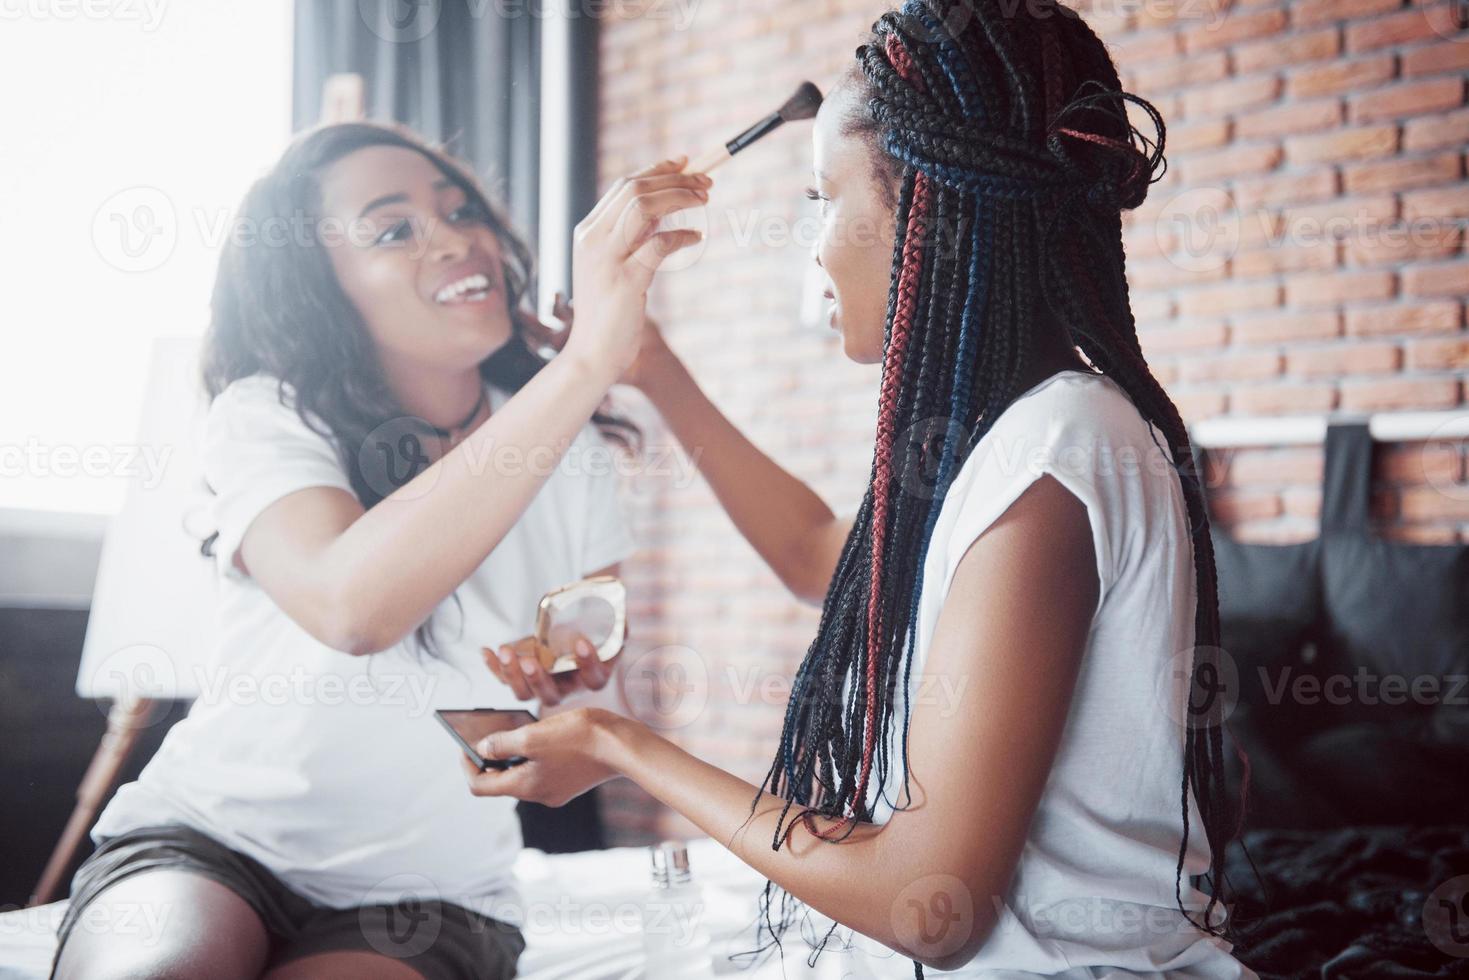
962, 82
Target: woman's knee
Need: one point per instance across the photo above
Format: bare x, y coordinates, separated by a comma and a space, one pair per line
345, 965
163, 924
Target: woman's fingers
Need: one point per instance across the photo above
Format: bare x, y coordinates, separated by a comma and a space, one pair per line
651, 253
537, 679
592, 672
511, 673
541, 334
641, 216
671, 166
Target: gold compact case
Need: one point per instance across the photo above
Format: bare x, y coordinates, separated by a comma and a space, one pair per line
595, 608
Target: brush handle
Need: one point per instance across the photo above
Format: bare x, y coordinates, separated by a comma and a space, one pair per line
709, 161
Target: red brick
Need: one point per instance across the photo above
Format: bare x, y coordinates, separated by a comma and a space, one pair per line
1418, 534
1347, 144
1448, 279
1410, 25
1402, 243
1231, 507
1332, 288
1432, 58
1410, 99
1276, 467
1164, 75
1397, 175
1229, 298
1301, 502
1284, 258
1194, 337
1338, 359
1407, 318
1434, 504
1449, 129
1253, 365
1234, 28
1289, 398
1340, 76
1278, 189
1399, 393
1187, 137
1308, 13
1419, 462
1293, 49
1293, 117
1145, 47
1222, 164
1448, 202
1439, 354
1275, 328
1200, 404
1242, 93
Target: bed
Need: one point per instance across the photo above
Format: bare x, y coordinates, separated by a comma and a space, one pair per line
581, 923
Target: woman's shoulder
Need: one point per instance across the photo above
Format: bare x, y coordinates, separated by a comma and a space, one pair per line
1076, 405
260, 405
258, 389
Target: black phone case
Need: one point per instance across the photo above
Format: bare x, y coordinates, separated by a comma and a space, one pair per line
484, 764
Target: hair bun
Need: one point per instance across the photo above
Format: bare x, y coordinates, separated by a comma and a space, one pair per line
1115, 172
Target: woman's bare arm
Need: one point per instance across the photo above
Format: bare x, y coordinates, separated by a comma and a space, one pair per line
994, 696
785, 521
361, 581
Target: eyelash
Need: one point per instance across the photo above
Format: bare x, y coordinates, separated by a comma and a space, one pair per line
387, 237
812, 194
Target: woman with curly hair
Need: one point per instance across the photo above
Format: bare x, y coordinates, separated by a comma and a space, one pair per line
399, 475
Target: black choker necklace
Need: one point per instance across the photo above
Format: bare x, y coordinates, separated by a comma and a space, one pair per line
446, 433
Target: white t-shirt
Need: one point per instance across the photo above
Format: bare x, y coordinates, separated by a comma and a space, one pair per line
1093, 893
330, 769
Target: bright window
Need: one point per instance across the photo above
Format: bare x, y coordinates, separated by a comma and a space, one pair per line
132, 128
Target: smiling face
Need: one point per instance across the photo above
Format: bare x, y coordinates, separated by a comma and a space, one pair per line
419, 260
857, 230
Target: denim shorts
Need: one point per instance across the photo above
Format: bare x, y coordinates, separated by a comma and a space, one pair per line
440, 940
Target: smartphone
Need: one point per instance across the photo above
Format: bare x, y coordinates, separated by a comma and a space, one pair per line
468, 725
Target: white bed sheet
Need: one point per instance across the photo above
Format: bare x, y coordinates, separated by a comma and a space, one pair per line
581, 921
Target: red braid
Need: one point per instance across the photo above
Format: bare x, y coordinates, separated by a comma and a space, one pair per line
904, 313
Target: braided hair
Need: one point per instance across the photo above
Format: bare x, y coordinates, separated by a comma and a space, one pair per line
1004, 131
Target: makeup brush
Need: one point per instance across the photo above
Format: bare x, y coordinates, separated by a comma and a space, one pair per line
802, 105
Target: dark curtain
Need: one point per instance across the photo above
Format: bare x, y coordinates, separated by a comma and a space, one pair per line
460, 72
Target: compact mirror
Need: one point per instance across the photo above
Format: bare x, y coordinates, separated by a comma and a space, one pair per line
593, 607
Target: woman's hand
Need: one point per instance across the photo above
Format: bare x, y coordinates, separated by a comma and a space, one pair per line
615, 251
567, 755
521, 666
654, 355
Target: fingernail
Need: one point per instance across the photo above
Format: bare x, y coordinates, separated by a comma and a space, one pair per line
528, 665
583, 648
504, 655
706, 179
483, 746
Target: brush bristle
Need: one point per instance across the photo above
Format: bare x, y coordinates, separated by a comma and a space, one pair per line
803, 104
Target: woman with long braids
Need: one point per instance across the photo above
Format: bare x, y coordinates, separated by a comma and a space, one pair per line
1032, 541
399, 475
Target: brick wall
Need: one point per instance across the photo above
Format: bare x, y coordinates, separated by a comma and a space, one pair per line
1305, 253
